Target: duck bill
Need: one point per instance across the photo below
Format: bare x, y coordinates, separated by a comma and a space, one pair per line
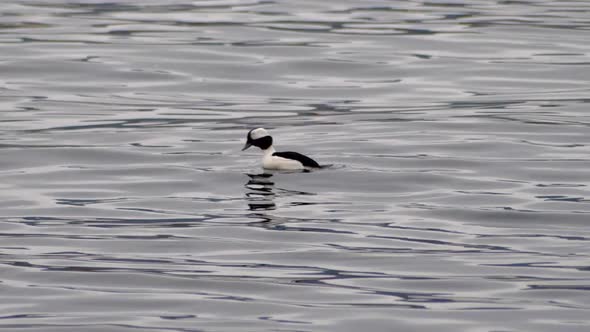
247, 145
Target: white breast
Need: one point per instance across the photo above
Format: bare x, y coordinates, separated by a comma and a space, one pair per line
280, 163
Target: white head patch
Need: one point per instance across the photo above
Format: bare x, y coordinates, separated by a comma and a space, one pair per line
258, 133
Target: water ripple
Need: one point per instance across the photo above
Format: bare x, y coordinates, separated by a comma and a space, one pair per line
458, 198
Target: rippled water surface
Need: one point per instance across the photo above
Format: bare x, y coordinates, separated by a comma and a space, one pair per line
458, 200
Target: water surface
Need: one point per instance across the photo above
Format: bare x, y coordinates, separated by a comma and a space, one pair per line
458, 200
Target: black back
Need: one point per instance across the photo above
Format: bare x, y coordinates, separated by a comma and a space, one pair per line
305, 160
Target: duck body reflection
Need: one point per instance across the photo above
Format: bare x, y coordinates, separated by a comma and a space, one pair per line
261, 191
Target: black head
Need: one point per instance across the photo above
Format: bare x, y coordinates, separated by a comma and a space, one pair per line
258, 137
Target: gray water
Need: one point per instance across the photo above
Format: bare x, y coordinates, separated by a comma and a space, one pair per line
458, 200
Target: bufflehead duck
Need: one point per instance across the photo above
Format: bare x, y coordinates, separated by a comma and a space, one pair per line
277, 160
